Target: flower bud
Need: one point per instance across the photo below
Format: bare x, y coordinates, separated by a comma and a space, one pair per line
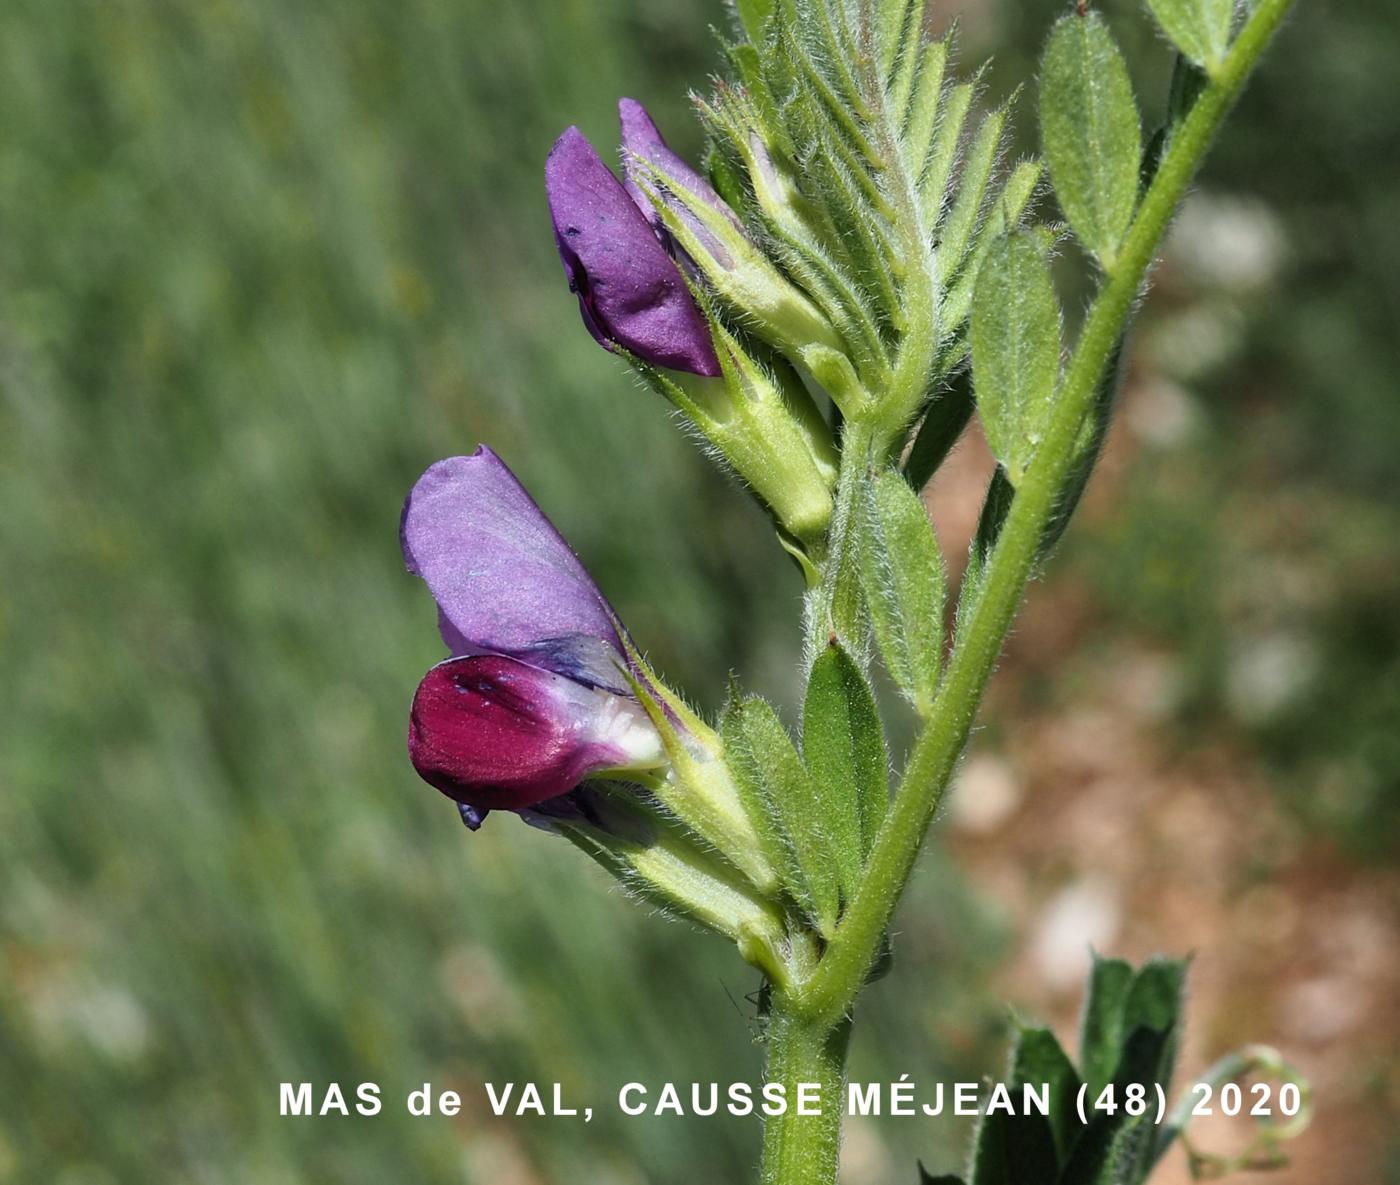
629, 290
744, 278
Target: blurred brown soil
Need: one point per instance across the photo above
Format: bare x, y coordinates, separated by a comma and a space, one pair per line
1089, 823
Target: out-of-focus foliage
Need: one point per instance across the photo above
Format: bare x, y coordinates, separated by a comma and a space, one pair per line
1260, 533
261, 263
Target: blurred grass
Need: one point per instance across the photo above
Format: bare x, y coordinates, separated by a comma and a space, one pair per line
260, 264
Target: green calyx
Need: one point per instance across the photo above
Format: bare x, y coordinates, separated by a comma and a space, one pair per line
662, 862
763, 424
749, 286
698, 789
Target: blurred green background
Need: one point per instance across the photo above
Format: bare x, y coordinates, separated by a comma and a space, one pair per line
260, 264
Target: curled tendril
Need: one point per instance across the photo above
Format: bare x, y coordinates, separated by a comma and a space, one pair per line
1265, 1148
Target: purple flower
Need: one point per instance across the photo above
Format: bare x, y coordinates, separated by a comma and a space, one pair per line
534, 698
630, 292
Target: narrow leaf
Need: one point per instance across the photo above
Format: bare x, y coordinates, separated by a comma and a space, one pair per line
1117, 1149
1104, 1151
920, 106
943, 150
769, 772
1199, 28
899, 24
947, 416
1154, 1002
995, 507
1187, 83
1005, 216
1101, 1025
1040, 1061
902, 576
752, 766
753, 18
972, 192
1025, 1147
1128, 1038
1087, 450
845, 750
1015, 338
1090, 132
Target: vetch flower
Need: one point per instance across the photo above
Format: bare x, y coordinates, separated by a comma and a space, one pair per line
535, 698
629, 289
622, 260
544, 690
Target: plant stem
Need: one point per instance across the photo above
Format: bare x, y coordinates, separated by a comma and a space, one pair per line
833, 988
804, 1149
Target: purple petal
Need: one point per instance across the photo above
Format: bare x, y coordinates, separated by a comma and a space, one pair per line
629, 289
498, 734
642, 138
504, 579
472, 816
592, 803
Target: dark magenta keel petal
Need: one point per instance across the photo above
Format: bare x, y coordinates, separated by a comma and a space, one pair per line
498, 734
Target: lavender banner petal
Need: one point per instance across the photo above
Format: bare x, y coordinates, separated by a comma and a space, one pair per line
504, 579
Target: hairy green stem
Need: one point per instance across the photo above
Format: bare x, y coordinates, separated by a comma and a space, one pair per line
810, 1063
827, 997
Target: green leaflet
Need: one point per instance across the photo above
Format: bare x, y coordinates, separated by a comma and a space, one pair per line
1187, 82
943, 150
1130, 1024
1101, 1024
1119, 1004
775, 784
1090, 132
1143, 1009
1021, 1149
995, 507
1038, 1059
921, 104
1087, 450
947, 416
1015, 339
957, 231
1154, 1002
898, 25
754, 16
1199, 28
1006, 215
844, 746
902, 575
